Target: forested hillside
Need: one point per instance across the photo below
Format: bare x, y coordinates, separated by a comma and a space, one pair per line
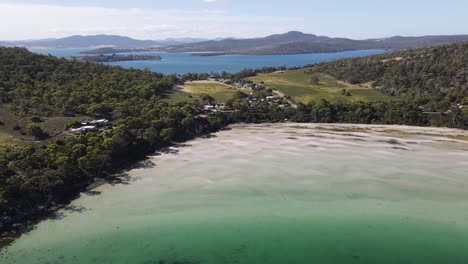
435, 77
34, 176
300, 43
44, 85
36, 85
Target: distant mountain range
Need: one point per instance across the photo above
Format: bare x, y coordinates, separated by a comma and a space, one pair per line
96, 41
293, 42
298, 43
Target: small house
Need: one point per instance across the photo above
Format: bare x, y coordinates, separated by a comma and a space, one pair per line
100, 122
209, 107
83, 130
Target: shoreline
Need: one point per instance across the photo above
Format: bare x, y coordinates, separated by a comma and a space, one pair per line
343, 126
15, 229
12, 231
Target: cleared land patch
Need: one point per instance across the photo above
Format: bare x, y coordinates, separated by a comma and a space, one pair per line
191, 91
393, 59
298, 85
13, 128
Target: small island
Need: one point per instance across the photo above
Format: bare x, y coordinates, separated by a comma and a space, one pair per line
105, 50
115, 58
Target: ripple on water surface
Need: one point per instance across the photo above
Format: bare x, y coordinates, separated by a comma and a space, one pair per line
275, 194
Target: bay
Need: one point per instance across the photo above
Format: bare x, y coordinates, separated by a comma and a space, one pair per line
181, 63
283, 193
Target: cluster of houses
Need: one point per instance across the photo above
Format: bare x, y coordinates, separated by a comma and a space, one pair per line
227, 81
249, 86
274, 98
240, 85
89, 126
270, 99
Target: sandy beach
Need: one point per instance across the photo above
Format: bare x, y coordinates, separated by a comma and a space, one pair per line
274, 193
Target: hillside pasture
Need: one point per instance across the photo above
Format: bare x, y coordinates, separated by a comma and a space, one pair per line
192, 91
298, 85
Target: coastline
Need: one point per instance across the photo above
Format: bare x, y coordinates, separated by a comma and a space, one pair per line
17, 228
11, 231
442, 131
117, 58
21, 225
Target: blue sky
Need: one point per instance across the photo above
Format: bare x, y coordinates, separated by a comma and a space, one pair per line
156, 19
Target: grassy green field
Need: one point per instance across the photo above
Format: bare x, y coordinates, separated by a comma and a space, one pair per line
180, 96
10, 136
193, 90
297, 84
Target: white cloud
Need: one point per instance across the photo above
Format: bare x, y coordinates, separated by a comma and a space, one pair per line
210, 1
32, 21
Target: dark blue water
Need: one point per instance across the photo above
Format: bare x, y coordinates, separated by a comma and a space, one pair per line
181, 63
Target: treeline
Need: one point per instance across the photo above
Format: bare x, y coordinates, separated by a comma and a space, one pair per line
35, 85
237, 76
34, 176
117, 57
394, 112
437, 78
40, 85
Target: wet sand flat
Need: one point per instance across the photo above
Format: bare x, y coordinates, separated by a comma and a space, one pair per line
275, 193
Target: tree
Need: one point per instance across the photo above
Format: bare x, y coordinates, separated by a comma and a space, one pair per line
240, 104
315, 80
36, 119
99, 110
36, 131
239, 95
208, 99
166, 134
73, 124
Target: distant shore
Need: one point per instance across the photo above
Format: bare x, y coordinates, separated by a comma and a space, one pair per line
117, 58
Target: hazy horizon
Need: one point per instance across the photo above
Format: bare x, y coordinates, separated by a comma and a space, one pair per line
214, 38
210, 19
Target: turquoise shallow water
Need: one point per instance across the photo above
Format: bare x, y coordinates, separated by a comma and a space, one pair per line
275, 194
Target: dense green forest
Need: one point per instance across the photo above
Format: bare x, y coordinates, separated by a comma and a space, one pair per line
393, 112
436, 78
36, 86
43, 85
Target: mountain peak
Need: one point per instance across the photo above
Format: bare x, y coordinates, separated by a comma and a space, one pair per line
299, 34
291, 36
294, 33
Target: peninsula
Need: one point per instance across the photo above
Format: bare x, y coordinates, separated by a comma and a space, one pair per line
115, 58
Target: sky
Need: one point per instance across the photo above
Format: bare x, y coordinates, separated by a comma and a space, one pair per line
161, 19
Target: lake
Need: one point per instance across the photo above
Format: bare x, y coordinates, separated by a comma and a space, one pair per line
283, 193
181, 63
